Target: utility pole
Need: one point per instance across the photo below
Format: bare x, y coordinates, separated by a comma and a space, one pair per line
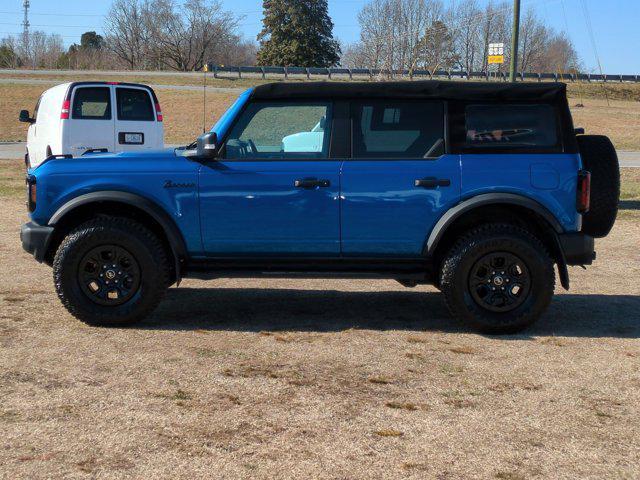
25, 28
513, 66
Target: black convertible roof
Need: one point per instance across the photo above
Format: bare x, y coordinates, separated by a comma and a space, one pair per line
451, 90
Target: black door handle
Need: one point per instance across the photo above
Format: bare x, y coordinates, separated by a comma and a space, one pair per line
311, 183
432, 182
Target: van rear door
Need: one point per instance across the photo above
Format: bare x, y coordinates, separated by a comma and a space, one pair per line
136, 124
91, 123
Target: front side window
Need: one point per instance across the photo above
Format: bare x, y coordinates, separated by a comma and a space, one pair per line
510, 126
92, 103
280, 130
35, 110
134, 104
396, 129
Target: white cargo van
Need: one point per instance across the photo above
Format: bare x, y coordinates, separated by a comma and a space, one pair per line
80, 117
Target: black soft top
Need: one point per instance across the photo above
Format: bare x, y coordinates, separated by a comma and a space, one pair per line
462, 90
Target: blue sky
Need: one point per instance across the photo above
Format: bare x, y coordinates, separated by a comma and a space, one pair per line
616, 23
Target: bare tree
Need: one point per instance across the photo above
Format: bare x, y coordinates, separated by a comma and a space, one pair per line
407, 34
185, 37
127, 29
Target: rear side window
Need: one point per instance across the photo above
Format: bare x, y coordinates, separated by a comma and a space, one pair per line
511, 126
396, 129
92, 103
134, 104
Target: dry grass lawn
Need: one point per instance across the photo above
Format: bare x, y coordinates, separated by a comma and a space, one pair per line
620, 119
319, 379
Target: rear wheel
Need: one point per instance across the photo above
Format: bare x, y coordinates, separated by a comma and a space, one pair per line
110, 272
497, 278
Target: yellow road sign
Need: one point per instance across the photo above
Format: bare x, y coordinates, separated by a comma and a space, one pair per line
496, 59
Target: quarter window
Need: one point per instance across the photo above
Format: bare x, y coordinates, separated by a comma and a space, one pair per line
280, 130
510, 126
396, 129
92, 103
134, 104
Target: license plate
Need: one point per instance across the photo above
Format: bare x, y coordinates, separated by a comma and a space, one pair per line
133, 138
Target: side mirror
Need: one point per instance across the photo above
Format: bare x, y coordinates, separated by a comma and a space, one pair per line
24, 117
207, 145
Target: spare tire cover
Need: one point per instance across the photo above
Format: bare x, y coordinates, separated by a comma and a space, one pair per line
599, 157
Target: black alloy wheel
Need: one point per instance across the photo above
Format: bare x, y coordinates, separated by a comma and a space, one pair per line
109, 275
499, 282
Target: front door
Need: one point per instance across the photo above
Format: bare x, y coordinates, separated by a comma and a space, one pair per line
399, 179
274, 190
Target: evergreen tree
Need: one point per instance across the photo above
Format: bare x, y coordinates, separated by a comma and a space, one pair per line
297, 33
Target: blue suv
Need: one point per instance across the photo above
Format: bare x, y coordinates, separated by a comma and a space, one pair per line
476, 188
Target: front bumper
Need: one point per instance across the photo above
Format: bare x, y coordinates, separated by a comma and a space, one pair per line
577, 248
35, 239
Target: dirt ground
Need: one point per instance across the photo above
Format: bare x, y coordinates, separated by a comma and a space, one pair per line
320, 379
618, 117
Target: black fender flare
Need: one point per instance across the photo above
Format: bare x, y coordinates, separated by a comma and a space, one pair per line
500, 198
171, 230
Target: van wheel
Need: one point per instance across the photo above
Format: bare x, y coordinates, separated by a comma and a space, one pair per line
110, 272
497, 278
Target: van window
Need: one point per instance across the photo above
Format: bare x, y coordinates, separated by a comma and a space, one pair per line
134, 104
280, 130
92, 103
396, 129
511, 125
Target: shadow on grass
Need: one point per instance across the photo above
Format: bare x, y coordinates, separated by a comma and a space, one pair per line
254, 310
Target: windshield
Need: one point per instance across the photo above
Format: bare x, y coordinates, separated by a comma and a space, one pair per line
224, 122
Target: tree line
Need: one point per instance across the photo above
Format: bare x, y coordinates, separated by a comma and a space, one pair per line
424, 34
394, 35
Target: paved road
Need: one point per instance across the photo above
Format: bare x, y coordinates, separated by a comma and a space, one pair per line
16, 150
40, 81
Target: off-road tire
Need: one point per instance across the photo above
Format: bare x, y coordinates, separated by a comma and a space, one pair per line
143, 245
456, 270
599, 157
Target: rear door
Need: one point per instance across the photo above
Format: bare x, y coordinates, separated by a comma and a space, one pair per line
399, 179
136, 127
275, 188
92, 120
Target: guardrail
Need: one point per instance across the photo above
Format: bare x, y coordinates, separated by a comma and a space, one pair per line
218, 70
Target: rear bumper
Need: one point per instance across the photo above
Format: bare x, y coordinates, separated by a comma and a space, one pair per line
577, 248
35, 239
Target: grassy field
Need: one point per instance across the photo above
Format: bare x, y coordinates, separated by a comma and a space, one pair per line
320, 379
619, 117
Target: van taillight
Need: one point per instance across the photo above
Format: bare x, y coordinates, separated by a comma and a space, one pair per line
158, 112
583, 193
64, 113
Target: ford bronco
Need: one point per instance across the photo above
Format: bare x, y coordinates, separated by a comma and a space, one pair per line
477, 188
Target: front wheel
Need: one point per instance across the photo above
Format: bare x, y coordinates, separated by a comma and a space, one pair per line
497, 278
110, 272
